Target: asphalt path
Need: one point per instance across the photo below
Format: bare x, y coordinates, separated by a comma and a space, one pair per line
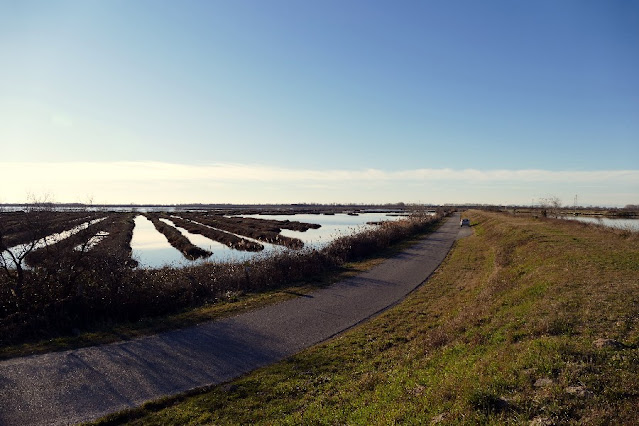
84, 384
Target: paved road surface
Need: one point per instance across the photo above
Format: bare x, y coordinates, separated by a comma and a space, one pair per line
85, 384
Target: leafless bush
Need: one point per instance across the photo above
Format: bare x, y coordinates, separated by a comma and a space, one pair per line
550, 206
93, 287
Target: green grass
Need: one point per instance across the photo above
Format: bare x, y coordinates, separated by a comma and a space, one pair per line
502, 334
233, 304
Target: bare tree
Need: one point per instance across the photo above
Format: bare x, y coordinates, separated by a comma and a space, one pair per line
34, 228
40, 238
550, 205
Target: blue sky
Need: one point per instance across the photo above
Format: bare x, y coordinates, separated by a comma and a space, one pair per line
320, 101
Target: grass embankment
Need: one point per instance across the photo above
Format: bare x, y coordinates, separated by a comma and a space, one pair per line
507, 331
176, 239
101, 300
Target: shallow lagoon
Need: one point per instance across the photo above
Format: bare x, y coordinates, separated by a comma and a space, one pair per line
629, 224
152, 250
21, 249
333, 226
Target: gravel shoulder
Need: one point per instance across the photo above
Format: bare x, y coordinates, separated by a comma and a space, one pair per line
84, 384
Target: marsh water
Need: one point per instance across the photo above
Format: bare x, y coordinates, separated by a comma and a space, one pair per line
332, 226
627, 224
152, 250
19, 250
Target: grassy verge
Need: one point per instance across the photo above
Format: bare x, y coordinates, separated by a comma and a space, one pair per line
233, 303
510, 330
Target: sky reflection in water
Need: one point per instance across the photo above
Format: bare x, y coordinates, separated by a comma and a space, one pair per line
630, 224
152, 249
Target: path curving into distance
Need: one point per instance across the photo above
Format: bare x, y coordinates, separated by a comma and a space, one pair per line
84, 384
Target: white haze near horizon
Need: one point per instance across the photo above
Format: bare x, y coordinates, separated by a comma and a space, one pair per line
173, 183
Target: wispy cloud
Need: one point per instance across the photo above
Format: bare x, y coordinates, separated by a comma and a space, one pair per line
166, 182
154, 171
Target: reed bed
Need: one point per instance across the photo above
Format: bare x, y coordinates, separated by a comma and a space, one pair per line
117, 245
267, 231
22, 227
177, 240
75, 245
226, 238
78, 294
275, 225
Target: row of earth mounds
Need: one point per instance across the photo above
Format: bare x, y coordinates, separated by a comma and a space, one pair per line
101, 237
69, 296
266, 230
118, 242
23, 227
228, 239
102, 233
176, 238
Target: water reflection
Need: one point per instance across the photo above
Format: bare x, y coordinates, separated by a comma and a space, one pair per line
93, 241
333, 226
20, 250
221, 252
152, 250
629, 224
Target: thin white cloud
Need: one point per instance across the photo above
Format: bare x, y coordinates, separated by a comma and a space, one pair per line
157, 182
157, 171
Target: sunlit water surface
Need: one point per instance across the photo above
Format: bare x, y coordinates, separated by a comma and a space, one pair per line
20, 250
333, 226
152, 250
629, 224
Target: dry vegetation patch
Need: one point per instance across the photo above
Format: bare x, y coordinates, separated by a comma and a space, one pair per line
176, 239
265, 230
234, 241
23, 227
